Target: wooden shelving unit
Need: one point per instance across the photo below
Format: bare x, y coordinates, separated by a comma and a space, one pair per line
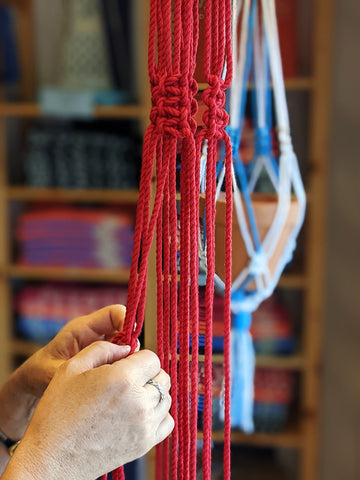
302, 435
33, 110
298, 83
67, 273
290, 438
27, 109
21, 193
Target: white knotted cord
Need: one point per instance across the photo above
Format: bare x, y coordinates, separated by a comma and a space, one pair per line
288, 179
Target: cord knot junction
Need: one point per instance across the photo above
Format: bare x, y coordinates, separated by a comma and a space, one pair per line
174, 105
215, 117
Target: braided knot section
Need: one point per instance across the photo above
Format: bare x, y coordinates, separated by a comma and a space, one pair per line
174, 105
215, 117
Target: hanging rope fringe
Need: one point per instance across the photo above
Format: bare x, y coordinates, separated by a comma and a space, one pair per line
218, 60
173, 38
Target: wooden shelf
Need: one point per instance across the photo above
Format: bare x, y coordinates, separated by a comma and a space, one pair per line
297, 83
290, 362
68, 274
289, 438
293, 281
24, 348
33, 110
20, 193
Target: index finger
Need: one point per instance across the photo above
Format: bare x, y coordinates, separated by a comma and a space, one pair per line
140, 366
100, 325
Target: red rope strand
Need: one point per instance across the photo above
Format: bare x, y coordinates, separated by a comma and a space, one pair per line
173, 38
217, 57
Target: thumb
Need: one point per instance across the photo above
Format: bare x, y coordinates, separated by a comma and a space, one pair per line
97, 354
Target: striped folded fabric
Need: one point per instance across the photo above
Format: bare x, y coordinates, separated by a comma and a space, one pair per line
75, 238
44, 309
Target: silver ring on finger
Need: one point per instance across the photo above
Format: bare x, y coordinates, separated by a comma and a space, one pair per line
159, 388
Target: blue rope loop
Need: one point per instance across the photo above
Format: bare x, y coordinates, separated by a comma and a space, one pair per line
234, 134
263, 142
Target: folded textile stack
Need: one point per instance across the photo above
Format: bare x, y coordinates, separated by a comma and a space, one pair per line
44, 309
75, 238
274, 391
273, 394
217, 383
218, 321
272, 329
80, 159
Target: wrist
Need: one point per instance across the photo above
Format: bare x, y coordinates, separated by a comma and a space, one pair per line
9, 443
16, 407
32, 461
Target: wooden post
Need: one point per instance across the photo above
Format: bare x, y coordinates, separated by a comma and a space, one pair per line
5, 364
316, 235
24, 17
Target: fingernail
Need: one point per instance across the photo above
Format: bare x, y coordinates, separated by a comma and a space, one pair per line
124, 348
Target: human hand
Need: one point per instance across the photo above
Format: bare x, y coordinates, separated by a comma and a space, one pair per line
36, 373
97, 413
22, 391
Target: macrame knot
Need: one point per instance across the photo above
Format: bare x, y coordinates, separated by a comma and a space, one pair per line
263, 144
174, 105
258, 264
285, 143
215, 117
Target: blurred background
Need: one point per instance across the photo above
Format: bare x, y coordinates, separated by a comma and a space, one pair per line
74, 104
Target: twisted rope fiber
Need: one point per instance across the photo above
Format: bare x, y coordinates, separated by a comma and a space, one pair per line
166, 324
173, 107
217, 53
160, 304
188, 195
174, 325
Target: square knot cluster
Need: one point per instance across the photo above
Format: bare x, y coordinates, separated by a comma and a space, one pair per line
215, 117
174, 105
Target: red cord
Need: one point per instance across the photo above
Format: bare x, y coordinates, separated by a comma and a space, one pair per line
173, 37
171, 69
217, 53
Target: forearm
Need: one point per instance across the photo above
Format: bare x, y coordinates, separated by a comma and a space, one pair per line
16, 408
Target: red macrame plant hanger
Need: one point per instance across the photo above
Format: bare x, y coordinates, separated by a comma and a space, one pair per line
173, 41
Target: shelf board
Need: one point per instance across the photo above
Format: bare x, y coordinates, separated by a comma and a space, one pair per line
128, 196
297, 83
33, 110
289, 438
293, 281
24, 348
68, 274
290, 362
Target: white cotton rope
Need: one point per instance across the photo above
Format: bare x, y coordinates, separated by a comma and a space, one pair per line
289, 178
